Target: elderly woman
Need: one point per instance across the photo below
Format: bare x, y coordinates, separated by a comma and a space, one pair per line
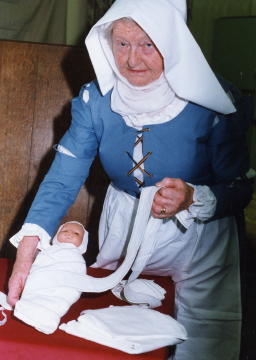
156, 115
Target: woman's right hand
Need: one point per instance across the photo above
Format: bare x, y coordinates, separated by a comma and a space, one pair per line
26, 253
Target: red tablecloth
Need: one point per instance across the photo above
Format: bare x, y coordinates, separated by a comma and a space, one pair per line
19, 341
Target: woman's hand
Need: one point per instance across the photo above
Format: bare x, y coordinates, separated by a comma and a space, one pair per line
174, 196
26, 253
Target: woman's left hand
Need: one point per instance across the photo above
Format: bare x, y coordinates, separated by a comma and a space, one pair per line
175, 195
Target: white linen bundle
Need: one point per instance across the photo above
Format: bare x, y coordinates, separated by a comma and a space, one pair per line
133, 329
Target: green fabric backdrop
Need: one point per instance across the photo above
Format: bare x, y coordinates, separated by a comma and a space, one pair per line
49, 21
204, 12
33, 20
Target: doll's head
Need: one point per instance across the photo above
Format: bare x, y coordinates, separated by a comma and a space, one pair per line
71, 233
74, 233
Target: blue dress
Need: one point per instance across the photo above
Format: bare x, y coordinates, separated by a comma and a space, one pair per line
194, 146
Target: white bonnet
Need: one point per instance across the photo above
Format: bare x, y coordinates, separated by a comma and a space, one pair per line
83, 247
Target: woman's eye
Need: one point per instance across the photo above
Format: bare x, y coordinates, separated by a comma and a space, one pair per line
148, 47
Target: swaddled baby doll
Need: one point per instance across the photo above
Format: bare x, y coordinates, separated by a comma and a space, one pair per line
46, 296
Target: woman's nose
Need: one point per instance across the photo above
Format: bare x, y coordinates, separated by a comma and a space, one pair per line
133, 58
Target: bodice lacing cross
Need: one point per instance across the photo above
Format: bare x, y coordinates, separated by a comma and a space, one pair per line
138, 169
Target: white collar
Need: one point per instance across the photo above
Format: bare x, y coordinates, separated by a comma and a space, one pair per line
138, 105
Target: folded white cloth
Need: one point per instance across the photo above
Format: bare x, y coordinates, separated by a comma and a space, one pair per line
132, 329
140, 291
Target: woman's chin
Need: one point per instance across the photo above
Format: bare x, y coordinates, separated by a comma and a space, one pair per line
140, 78
138, 81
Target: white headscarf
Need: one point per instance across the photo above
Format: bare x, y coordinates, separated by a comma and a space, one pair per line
83, 246
137, 104
185, 68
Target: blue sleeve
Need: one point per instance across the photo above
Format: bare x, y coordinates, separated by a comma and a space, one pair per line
67, 174
230, 163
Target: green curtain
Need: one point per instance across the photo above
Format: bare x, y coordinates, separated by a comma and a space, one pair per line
33, 20
50, 21
81, 16
205, 12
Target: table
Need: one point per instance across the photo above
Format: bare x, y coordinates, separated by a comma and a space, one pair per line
19, 341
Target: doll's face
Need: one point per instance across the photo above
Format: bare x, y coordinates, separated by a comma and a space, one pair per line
71, 233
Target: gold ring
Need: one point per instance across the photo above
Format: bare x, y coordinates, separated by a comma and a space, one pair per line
163, 211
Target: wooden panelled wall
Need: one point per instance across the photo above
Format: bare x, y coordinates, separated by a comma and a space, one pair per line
37, 82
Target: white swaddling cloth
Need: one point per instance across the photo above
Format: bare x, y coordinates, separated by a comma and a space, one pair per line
44, 299
132, 329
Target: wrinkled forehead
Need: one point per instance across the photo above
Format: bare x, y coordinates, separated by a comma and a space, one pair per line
126, 27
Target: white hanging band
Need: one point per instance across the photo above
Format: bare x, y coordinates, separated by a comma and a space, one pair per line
86, 283
146, 248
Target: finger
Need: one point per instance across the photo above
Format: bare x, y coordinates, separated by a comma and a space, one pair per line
158, 215
167, 182
162, 212
164, 199
12, 298
164, 193
171, 201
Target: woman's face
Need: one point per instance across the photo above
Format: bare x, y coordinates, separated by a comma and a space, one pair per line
136, 56
71, 233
